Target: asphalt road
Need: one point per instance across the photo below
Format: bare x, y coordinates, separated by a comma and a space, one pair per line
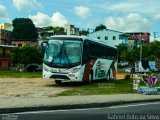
143, 111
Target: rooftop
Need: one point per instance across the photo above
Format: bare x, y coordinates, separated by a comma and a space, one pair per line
106, 30
10, 28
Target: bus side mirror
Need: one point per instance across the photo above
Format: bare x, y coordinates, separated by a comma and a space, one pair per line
43, 45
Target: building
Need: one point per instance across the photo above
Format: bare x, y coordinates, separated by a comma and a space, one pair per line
71, 30
24, 42
21, 43
5, 25
5, 37
136, 38
44, 34
5, 61
112, 37
5, 33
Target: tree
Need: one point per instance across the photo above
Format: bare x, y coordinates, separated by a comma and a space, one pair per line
24, 29
149, 52
49, 28
58, 29
100, 27
83, 32
122, 52
26, 55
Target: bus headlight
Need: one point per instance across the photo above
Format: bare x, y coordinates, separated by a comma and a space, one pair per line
74, 70
46, 69
53, 70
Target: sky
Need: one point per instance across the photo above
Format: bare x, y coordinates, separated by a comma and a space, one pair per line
120, 15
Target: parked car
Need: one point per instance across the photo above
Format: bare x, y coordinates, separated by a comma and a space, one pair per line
123, 63
34, 68
129, 69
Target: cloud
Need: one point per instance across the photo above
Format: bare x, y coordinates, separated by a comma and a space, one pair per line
82, 11
3, 11
156, 16
43, 20
58, 19
26, 4
123, 6
149, 8
133, 22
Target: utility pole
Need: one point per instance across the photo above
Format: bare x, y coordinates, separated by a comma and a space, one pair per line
141, 41
154, 36
140, 47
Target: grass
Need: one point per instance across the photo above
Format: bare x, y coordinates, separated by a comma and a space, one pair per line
15, 74
100, 88
103, 88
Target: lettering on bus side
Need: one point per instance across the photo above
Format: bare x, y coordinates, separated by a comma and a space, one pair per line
100, 72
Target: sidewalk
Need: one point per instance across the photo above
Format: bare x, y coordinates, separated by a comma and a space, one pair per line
21, 104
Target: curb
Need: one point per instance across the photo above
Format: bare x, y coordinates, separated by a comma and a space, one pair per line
73, 106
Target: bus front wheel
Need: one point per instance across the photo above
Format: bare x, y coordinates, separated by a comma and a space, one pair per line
58, 82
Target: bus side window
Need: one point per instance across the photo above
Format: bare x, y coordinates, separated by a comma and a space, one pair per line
85, 52
91, 50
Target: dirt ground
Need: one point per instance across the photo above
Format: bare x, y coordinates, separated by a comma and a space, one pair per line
34, 87
29, 87
121, 76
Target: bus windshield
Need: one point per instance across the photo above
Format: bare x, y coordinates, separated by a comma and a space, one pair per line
63, 52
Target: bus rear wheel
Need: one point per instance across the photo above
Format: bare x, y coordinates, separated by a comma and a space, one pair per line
108, 75
90, 78
58, 82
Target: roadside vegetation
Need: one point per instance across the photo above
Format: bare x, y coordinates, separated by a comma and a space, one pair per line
123, 86
150, 52
16, 74
100, 88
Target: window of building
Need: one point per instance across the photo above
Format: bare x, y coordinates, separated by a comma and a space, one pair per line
106, 37
71, 32
19, 45
9, 64
114, 37
98, 37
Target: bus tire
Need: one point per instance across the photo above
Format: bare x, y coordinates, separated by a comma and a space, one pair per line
90, 78
108, 75
58, 82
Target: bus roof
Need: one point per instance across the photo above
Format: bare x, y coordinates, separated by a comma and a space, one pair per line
85, 38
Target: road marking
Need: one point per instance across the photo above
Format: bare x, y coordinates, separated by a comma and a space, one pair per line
51, 111
134, 105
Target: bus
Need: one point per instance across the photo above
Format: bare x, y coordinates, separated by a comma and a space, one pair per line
79, 58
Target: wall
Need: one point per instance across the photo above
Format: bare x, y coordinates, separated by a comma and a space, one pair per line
5, 25
5, 61
5, 37
102, 34
24, 43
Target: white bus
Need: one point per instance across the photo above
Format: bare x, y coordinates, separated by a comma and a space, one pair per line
77, 58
